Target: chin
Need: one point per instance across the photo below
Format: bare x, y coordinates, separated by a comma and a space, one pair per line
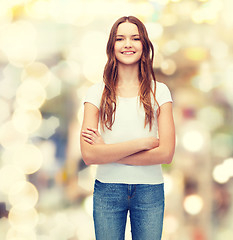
128, 61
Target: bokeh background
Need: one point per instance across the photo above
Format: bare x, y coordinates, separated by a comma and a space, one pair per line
51, 51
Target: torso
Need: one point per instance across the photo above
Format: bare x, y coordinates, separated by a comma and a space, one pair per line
128, 125
129, 91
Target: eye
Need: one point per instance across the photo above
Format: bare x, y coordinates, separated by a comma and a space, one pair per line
119, 39
136, 39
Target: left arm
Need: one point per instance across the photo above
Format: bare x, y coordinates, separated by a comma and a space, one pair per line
162, 154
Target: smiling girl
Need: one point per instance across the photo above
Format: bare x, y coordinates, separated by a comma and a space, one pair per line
128, 131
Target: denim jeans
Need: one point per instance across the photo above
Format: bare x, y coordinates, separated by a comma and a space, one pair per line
113, 201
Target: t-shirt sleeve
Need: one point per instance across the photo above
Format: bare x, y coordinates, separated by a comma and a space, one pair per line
94, 94
163, 94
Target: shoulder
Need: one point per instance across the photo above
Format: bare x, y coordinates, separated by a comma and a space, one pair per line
94, 94
161, 88
163, 93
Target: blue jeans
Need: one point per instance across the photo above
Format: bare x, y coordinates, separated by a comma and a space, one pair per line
112, 201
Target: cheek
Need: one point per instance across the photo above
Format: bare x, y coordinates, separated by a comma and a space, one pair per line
140, 47
116, 52
117, 47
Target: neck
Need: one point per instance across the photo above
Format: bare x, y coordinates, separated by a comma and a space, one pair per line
127, 74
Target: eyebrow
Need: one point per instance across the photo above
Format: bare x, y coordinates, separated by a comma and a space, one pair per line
134, 35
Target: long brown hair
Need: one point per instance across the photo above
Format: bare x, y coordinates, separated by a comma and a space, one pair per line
146, 76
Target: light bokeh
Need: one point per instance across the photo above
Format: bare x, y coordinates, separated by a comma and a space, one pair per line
193, 204
23, 195
51, 52
22, 219
36, 71
15, 51
9, 176
27, 121
29, 158
30, 95
10, 137
15, 233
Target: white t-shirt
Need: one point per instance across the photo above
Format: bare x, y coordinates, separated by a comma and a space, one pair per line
128, 125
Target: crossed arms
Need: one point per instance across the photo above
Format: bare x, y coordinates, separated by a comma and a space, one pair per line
143, 151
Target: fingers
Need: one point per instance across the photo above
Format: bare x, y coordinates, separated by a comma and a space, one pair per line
94, 130
88, 140
90, 135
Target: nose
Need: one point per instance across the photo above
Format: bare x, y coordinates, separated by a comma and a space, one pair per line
128, 43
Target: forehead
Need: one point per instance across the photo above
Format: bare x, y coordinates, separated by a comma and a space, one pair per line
127, 28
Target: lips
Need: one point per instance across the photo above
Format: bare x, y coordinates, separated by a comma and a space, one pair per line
128, 53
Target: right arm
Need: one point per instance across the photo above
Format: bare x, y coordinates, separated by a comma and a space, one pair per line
107, 153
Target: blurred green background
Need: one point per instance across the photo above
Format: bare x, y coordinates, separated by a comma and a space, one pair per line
51, 51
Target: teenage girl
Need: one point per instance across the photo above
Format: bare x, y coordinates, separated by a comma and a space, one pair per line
128, 131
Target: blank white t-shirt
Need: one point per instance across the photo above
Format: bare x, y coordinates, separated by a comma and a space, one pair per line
128, 125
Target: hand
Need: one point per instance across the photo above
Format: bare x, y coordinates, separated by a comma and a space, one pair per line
151, 142
92, 136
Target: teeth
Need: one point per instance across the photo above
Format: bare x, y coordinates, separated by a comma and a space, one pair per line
128, 53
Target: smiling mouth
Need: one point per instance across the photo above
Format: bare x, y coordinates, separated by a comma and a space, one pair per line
128, 53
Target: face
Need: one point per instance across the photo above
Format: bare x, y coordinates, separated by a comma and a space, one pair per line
128, 46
